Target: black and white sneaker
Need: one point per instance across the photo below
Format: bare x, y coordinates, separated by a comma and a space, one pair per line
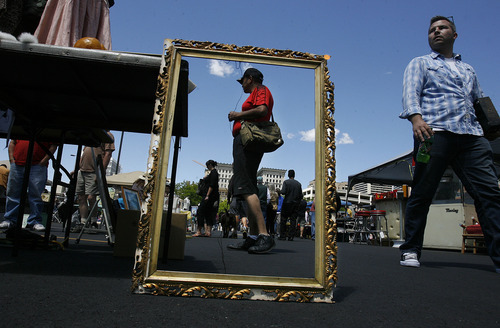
244, 245
38, 227
263, 244
410, 259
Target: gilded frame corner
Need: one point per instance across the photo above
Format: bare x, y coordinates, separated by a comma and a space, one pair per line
146, 278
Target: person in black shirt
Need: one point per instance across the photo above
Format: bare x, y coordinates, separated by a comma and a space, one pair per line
292, 192
207, 209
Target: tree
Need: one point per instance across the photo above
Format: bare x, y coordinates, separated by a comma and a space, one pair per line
187, 189
223, 205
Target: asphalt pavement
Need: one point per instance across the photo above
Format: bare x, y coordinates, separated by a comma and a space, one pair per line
84, 285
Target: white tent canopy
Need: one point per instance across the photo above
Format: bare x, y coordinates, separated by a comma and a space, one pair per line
124, 179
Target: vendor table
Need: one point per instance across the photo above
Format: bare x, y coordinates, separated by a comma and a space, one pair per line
72, 95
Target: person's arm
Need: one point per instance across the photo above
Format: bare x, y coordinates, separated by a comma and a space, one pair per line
477, 92
257, 112
46, 158
12, 145
420, 129
106, 158
413, 81
282, 191
209, 192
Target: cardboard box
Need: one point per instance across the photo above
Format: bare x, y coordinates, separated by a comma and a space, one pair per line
126, 234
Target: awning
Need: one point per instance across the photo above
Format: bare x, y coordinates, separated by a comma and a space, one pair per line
397, 171
123, 179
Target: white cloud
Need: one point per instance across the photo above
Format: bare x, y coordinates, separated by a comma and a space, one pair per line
290, 135
245, 66
220, 68
342, 138
307, 136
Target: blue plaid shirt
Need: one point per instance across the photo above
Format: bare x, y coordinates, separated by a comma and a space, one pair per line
443, 97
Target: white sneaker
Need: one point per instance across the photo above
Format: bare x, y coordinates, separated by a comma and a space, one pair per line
410, 260
38, 227
5, 224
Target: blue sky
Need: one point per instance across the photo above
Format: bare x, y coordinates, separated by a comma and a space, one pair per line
370, 44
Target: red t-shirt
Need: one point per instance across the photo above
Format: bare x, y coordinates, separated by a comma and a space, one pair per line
21, 152
259, 96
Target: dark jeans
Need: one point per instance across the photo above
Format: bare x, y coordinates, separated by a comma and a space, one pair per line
288, 211
472, 160
270, 220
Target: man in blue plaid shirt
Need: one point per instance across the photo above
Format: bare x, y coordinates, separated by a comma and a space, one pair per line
438, 95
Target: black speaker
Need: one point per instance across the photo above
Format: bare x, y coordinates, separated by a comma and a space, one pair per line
180, 128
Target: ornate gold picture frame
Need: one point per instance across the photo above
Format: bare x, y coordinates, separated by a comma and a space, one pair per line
147, 278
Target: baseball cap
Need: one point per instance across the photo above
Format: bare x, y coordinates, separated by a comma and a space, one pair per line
253, 72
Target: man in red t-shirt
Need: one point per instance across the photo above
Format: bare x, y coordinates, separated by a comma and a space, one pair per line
18, 152
257, 108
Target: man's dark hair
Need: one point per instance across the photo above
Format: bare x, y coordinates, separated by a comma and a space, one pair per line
211, 162
438, 18
291, 173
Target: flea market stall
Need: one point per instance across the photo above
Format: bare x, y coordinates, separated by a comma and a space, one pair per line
451, 206
71, 96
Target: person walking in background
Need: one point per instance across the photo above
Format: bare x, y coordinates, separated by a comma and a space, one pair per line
86, 183
301, 216
272, 209
439, 91
264, 197
292, 192
312, 216
207, 210
18, 152
257, 108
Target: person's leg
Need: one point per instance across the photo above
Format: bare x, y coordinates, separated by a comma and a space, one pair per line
278, 223
210, 218
272, 223
14, 185
245, 166
263, 209
92, 212
83, 207
283, 221
475, 168
425, 182
293, 223
313, 224
38, 178
255, 216
91, 191
201, 219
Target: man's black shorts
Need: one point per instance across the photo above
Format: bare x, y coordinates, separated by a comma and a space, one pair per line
245, 166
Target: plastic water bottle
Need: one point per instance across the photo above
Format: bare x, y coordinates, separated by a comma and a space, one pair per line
424, 150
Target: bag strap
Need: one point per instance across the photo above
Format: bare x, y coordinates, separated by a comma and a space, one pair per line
272, 119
